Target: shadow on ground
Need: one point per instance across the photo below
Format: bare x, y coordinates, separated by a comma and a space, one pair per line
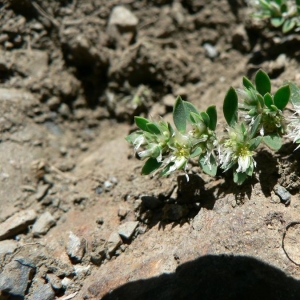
214, 277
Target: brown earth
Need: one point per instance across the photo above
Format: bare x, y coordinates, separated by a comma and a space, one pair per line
74, 209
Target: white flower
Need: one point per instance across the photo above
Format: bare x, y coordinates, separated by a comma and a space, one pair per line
153, 151
230, 154
138, 142
294, 126
244, 162
262, 131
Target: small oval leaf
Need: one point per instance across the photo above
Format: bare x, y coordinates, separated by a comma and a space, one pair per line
262, 82
255, 126
277, 22
209, 167
273, 141
295, 94
179, 115
282, 97
141, 123
230, 107
268, 100
247, 83
212, 113
254, 143
288, 25
152, 128
150, 166
205, 118
188, 108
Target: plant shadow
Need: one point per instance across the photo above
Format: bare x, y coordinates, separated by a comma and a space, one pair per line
214, 277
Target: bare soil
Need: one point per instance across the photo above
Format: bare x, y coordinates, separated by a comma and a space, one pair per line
71, 80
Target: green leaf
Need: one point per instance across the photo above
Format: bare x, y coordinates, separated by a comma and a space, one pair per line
250, 170
152, 128
295, 94
262, 82
273, 141
205, 118
298, 6
150, 166
230, 107
212, 113
261, 100
277, 22
254, 143
239, 178
210, 169
268, 100
141, 123
255, 126
188, 108
196, 152
252, 112
288, 25
166, 169
248, 84
179, 115
132, 137
282, 97
171, 130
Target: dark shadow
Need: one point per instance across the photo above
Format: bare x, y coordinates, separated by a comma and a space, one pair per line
267, 170
214, 277
235, 5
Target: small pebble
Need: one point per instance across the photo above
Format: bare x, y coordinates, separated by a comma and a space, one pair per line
127, 229
76, 247
284, 195
210, 50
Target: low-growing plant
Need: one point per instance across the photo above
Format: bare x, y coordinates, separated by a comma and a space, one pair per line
285, 13
257, 119
168, 149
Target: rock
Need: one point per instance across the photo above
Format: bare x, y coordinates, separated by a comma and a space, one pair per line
32, 63
44, 292
64, 110
21, 97
54, 280
122, 17
53, 103
122, 212
43, 224
17, 223
151, 202
7, 247
108, 185
174, 212
284, 195
66, 282
14, 278
81, 271
76, 247
98, 255
198, 221
240, 39
42, 191
275, 198
96, 258
113, 242
127, 229
210, 50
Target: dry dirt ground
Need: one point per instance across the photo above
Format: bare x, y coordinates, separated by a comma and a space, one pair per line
77, 220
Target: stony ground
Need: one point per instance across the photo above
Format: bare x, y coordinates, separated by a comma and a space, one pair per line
77, 220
